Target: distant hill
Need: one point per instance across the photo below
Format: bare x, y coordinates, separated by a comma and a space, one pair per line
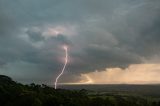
5, 80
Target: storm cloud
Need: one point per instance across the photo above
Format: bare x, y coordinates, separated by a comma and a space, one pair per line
100, 34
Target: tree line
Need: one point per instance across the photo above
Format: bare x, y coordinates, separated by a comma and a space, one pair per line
16, 94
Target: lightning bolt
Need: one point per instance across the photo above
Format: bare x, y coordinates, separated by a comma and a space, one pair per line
63, 69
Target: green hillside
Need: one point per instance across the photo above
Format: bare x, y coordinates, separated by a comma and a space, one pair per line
16, 94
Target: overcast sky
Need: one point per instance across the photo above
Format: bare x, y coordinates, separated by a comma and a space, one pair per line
101, 35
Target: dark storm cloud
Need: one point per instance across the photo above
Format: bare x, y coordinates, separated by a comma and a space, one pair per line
100, 34
35, 35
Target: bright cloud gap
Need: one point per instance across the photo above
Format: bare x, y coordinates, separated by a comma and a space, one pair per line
133, 74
